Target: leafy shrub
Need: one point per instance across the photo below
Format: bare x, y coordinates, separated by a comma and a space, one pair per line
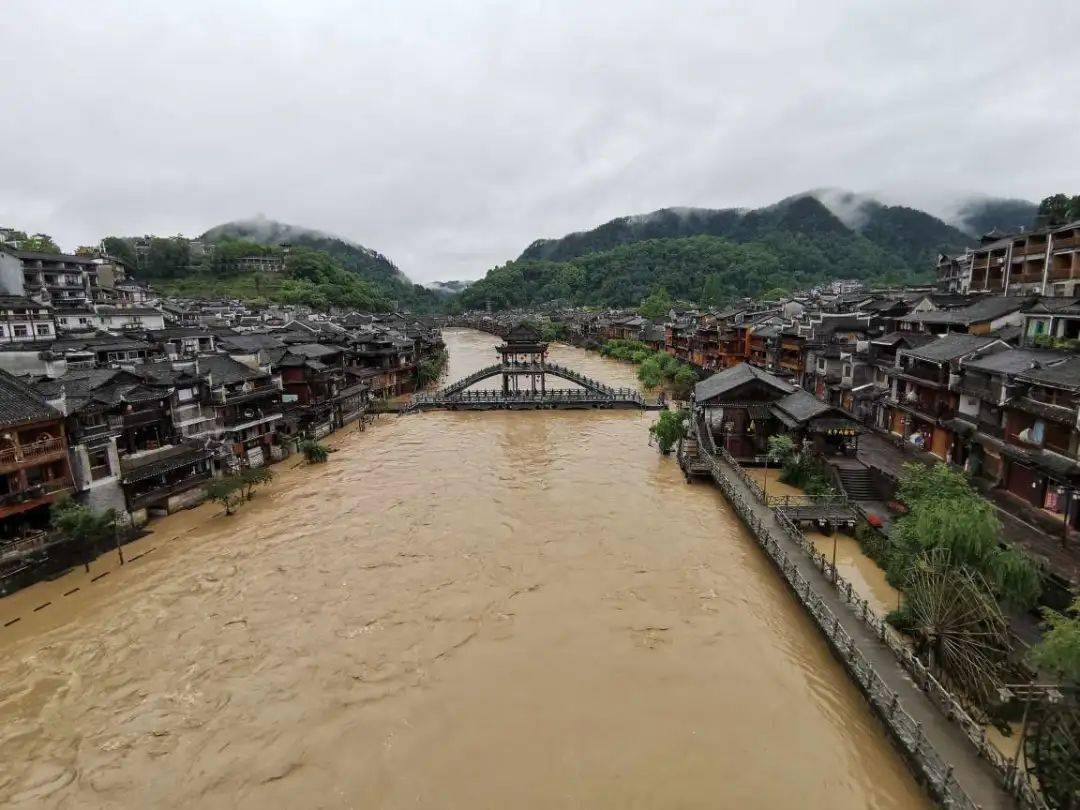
314, 452
669, 429
650, 373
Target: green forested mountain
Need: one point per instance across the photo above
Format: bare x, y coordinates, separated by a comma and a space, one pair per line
369, 265
320, 270
365, 262
913, 236
982, 215
706, 269
796, 243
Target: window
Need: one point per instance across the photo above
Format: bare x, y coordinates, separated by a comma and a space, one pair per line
20, 330
43, 329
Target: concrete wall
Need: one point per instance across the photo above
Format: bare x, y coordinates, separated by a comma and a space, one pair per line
106, 494
185, 500
30, 362
11, 275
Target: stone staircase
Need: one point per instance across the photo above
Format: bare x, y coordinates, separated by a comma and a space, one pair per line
858, 483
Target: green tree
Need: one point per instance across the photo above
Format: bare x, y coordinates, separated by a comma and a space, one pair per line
775, 293
252, 477
430, 368
712, 292
314, 452
669, 429
167, 258
227, 250
945, 513
228, 491
656, 305
40, 243
1058, 209
781, 449
1059, 650
84, 527
670, 363
650, 373
121, 249
316, 279
684, 381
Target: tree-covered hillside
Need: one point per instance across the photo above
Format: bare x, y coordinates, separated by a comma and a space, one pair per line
369, 265
979, 216
912, 237
698, 268
347, 274
365, 262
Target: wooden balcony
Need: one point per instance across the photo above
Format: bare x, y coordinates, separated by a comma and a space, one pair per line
32, 452
33, 496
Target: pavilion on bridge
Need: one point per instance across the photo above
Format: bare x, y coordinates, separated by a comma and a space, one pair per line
524, 357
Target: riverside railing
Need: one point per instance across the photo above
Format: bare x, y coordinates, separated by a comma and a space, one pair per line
905, 729
939, 695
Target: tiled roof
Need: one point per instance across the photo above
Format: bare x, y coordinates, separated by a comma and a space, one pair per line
1061, 375
731, 378
1013, 361
224, 370
802, 406
20, 404
952, 347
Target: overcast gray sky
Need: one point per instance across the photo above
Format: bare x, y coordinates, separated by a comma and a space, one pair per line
449, 135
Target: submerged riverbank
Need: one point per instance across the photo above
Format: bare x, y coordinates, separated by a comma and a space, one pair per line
457, 610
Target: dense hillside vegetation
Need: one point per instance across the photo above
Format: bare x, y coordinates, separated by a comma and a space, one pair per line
980, 216
319, 270
365, 262
705, 269
911, 236
712, 256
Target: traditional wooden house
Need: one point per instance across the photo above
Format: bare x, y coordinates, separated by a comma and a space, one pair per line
743, 406
34, 469
924, 398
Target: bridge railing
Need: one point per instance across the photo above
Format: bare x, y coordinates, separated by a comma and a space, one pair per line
486, 396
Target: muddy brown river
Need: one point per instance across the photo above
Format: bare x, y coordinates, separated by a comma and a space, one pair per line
486, 610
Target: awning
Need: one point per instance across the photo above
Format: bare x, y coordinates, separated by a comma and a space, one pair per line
1046, 462
835, 426
1055, 413
158, 466
961, 427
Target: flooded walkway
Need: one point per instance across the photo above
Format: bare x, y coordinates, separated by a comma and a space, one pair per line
526, 610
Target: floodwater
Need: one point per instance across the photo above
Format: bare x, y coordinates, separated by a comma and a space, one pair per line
493, 610
865, 575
